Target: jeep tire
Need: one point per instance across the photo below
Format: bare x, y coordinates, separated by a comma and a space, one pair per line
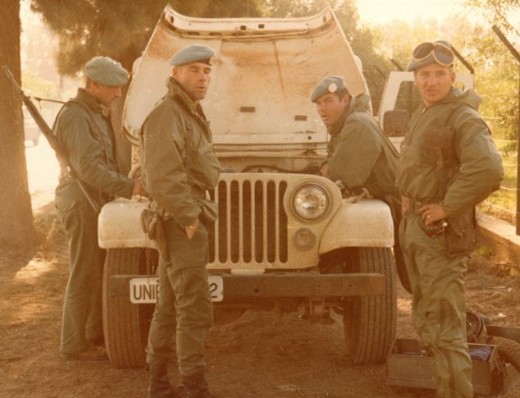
370, 321
126, 325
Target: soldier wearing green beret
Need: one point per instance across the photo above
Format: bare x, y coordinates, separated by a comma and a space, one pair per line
179, 167
448, 165
85, 132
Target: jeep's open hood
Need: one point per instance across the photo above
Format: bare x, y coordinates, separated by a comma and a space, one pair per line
263, 73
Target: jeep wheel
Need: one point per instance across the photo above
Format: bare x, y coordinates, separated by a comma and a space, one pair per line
126, 325
369, 321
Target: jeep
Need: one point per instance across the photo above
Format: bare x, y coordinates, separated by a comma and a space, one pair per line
285, 239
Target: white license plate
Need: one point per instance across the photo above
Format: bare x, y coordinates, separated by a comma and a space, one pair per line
145, 290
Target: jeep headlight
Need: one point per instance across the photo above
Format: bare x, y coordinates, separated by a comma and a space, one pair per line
310, 202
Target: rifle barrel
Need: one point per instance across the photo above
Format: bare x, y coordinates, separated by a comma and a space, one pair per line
51, 138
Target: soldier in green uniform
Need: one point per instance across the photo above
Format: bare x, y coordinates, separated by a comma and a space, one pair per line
84, 130
179, 167
359, 154
448, 165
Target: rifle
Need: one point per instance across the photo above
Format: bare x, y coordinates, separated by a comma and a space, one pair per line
51, 138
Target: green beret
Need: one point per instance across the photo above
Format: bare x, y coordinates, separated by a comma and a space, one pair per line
106, 71
192, 53
331, 84
429, 53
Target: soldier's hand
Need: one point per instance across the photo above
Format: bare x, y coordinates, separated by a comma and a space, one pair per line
432, 212
190, 229
139, 189
324, 170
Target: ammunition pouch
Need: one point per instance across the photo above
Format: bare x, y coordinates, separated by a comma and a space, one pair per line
438, 148
462, 234
152, 224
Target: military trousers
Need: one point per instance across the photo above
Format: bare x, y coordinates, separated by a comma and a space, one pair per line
82, 308
184, 310
438, 306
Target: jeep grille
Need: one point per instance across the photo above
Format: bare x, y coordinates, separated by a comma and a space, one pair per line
252, 224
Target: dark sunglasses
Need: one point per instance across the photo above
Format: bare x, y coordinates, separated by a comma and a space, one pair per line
440, 52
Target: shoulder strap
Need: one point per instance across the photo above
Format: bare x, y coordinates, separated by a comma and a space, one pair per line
94, 125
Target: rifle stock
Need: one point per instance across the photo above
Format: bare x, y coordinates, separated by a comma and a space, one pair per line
51, 138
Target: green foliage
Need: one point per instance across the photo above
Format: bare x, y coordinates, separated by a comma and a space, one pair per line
497, 74
95, 27
118, 29
495, 10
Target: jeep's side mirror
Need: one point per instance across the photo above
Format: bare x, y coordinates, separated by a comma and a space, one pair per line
395, 122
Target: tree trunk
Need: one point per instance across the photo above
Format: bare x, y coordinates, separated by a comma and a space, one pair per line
17, 229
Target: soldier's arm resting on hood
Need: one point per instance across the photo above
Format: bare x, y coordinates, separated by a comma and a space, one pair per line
355, 155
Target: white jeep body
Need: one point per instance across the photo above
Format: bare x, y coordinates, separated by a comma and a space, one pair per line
265, 251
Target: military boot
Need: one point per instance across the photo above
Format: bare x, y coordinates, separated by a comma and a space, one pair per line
196, 386
159, 385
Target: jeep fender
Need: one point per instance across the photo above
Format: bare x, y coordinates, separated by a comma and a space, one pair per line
119, 225
367, 223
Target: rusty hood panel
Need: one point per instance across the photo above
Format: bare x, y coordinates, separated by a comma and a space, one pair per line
263, 73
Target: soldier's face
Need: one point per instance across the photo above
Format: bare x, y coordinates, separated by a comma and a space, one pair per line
194, 79
104, 94
434, 82
331, 108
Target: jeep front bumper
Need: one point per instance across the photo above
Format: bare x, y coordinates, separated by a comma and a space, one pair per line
252, 287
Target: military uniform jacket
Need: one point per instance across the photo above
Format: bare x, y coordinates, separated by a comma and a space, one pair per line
87, 138
359, 154
179, 164
458, 167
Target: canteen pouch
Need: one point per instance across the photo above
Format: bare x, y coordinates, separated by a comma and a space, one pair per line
208, 211
152, 224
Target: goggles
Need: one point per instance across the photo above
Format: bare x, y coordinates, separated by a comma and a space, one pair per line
440, 52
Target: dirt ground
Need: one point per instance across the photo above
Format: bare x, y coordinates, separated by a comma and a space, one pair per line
261, 355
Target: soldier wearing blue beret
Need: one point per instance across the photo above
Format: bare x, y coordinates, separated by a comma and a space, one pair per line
192, 53
359, 155
87, 135
332, 84
179, 167
106, 71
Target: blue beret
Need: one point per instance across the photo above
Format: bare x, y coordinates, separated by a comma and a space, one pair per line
192, 53
331, 84
106, 71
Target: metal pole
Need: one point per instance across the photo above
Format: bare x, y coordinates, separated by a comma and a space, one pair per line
517, 56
